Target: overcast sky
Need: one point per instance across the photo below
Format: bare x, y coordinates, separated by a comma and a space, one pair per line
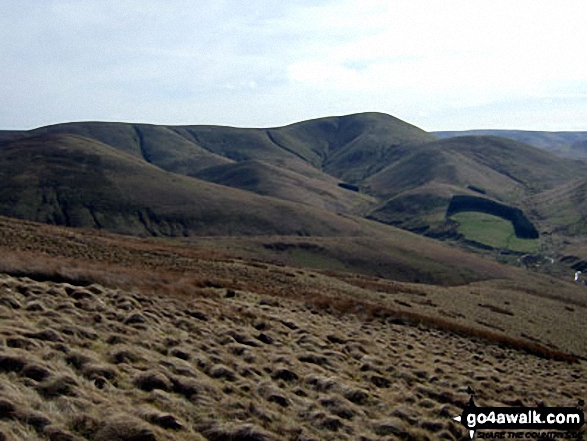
440, 65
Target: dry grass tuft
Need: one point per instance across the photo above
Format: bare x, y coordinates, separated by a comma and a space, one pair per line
237, 432
152, 348
124, 428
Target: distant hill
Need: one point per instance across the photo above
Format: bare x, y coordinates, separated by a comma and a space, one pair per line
312, 178
496, 165
360, 143
564, 207
303, 163
70, 180
351, 147
571, 145
419, 187
321, 191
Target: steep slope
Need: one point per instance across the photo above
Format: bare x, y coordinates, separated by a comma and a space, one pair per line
75, 181
350, 147
564, 208
266, 179
419, 186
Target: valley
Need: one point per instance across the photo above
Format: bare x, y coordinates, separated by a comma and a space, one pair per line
341, 278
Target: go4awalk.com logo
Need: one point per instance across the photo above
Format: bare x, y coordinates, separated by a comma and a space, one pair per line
522, 422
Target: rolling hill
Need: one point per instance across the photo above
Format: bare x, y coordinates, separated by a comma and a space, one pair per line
565, 207
262, 178
336, 145
495, 165
74, 181
419, 187
572, 145
45, 182
305, 179
258, 293
351, 147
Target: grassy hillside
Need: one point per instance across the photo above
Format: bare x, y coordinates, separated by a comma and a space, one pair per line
258, 312
564, 144
418, 188
362, 142
493, 231
73, 181
493, 164
70, 180
351, 147
348, 148
259, 177
393, 173
239, 144
104, 337
165, 267
564, 208
102, 363
279, 162
158, 145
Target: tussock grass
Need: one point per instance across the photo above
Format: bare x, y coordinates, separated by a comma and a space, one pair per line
350, 372
173, 343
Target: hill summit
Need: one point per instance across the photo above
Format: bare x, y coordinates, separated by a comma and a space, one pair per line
315, 178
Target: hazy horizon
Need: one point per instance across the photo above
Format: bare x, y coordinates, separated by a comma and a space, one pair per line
455, 65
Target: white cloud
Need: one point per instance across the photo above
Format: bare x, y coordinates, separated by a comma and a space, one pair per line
269, 63
459, 52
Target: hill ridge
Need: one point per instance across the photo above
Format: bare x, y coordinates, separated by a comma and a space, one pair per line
369, 164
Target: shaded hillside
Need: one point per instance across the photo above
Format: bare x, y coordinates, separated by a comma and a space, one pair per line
265, 179
237, 144
495, 165
158, 145
348, 147
75, 181
564, 208
382, 251
7, 135
72, 181
370, 164
571, 145
418, 188
351, 147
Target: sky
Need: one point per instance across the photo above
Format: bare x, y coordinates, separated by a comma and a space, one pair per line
440, 65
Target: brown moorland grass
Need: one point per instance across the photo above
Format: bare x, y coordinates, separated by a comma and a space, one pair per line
107, 337
107, 363
62, 255
181, 284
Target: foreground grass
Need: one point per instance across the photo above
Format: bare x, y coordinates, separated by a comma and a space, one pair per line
110, 338
90, 362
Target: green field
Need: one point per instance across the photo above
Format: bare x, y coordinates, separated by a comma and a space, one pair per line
493, 231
